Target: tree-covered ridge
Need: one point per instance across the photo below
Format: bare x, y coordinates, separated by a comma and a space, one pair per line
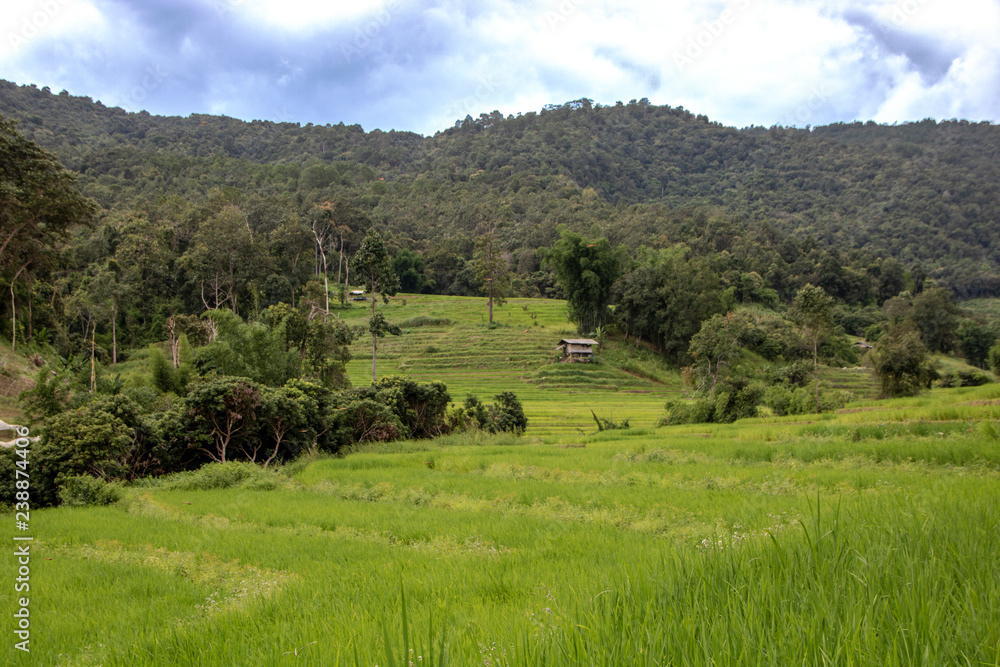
923, 193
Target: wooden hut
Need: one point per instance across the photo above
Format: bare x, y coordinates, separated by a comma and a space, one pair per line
577, 349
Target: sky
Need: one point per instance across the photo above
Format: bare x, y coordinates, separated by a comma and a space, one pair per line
422, 65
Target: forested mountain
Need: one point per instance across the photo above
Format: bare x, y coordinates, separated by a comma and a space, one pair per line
924, 193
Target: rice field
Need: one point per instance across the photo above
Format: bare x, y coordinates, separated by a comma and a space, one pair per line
448, 339
866, 536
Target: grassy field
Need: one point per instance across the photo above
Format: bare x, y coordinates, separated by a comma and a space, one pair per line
863, 537
866, 536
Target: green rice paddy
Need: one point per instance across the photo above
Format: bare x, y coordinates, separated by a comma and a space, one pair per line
864, 537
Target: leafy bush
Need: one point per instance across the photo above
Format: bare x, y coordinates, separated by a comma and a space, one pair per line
232, 474
506, 414
419, 409
963, 378
82, 490
473, 414
784, 400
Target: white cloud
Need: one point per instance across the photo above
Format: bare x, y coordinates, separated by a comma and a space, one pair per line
421, 66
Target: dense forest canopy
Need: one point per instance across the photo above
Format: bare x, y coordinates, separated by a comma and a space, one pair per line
923, 193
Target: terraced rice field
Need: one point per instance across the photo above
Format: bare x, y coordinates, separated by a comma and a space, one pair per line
518, 354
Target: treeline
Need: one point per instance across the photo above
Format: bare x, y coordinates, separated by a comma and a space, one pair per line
113, 432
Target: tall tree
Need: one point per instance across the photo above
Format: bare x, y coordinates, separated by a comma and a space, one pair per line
586, 270
492, 270
39, 203
900, 362
813, 311
715, 345
373, 264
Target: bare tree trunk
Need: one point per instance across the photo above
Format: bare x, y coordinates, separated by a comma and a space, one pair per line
114, 335
174, 342
13, 319
320, 240
93, 371
340, 256
30, 299
13, 310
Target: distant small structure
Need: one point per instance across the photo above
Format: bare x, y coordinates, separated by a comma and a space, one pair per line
577, 349
862, 345
357, 295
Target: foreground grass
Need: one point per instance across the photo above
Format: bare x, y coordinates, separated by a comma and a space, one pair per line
864, 537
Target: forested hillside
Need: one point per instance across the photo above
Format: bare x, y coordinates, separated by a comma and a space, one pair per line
923, 193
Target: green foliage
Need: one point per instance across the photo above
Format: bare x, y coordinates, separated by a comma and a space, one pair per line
410, 268
506, 414
492, 270
221, 417
39, 205
419, 408
372, 263
586, 270
994, 356
936, 316
50, 396
164, 376
900, 362
716, 344
247, 349
736, 398
791, 400
975, 341
963, 378
812, 310
94, 439
84, 490
229, 475
609, 424
471, 415
665, 297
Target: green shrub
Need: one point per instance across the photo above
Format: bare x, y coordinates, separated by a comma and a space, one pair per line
506, 414
963, 378
231, 474
82, 490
